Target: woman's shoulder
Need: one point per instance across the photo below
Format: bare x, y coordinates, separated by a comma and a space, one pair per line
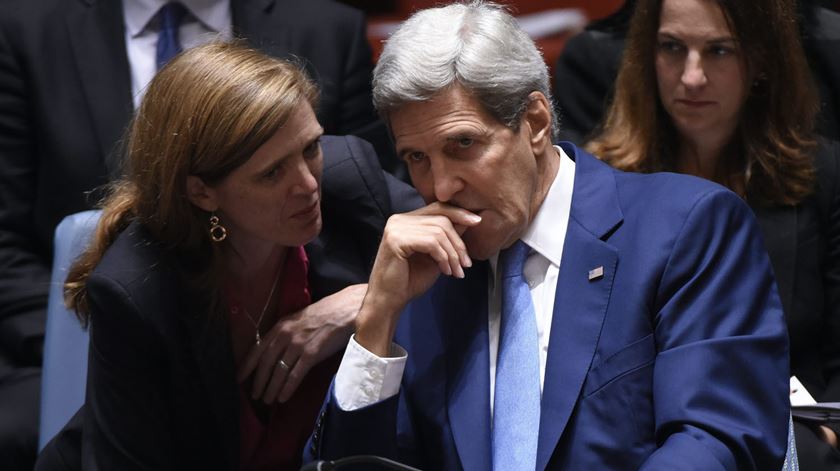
827, 158
827, 166
135, 256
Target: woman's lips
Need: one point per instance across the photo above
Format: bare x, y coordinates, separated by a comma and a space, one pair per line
307, 212
695, 103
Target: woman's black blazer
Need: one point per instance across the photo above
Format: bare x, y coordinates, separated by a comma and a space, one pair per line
804, 247
161, 390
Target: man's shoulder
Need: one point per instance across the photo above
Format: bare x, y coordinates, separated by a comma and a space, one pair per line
41, 13
316, 13
649, 190
666, 187
672, 198
660, 199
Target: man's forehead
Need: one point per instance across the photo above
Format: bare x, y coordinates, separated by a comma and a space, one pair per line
450, 111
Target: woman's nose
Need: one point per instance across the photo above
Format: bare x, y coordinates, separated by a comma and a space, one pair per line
694, 75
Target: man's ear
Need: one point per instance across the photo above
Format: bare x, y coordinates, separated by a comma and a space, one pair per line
537, 120
201, 194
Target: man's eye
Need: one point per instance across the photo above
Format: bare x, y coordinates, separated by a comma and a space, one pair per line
416, 157
465, 142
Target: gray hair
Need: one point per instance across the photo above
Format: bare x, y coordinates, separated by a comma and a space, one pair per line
479, 45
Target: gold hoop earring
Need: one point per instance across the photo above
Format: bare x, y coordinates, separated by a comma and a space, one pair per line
217, 231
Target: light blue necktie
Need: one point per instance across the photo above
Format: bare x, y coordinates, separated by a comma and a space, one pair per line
516, 406
168, 45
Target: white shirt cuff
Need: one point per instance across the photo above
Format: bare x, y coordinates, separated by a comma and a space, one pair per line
364, 379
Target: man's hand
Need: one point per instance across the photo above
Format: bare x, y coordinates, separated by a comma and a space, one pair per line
416, 248
301, 341
828, 436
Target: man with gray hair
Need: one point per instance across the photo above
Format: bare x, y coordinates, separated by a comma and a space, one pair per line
610, 320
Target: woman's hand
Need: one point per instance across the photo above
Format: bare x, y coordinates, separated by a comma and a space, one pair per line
301, 341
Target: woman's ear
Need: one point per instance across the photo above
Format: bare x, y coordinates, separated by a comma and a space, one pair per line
537, 119
200, 194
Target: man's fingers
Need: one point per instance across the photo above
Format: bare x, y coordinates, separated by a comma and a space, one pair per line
458, 216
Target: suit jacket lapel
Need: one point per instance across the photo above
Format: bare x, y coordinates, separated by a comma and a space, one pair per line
97, 33
779, 226
462, 305
212, 350
581, 300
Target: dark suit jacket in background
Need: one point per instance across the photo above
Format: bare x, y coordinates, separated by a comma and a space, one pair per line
676, 359
161, 385
65, 101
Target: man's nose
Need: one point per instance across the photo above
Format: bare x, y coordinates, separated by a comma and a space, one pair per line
447, 183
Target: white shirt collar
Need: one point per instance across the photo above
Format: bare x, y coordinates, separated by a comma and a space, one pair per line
214, 14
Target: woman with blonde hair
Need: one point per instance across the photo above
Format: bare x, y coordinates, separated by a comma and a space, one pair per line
217, 307
721, 89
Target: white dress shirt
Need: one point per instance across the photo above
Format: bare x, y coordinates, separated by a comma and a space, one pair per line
364, 378
205, 20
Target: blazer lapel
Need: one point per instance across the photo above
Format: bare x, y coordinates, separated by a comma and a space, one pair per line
211, 348
463, 307
96, 32
779, 227
585, 281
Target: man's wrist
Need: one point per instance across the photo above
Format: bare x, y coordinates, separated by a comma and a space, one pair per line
376, 324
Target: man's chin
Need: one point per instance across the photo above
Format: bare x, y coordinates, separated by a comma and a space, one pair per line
478, 247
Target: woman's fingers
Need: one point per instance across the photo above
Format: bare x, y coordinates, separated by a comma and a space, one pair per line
251, 361
296, 375
268, 361
284, 369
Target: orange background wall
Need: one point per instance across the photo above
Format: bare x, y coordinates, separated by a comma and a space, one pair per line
386, 11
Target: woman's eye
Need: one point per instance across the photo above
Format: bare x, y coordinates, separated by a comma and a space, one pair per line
670, 46
272, 174
312, 149
721, 50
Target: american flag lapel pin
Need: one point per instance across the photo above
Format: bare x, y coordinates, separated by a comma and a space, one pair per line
596, 273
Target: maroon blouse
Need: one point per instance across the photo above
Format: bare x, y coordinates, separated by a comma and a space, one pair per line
272, 437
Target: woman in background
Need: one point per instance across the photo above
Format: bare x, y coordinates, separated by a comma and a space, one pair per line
216, 309
721, 89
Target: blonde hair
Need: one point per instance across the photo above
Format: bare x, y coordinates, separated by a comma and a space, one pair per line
204, 114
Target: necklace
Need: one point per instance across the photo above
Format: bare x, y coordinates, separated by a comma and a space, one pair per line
258, 322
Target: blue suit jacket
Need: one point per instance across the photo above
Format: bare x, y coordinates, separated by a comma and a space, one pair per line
677, 358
